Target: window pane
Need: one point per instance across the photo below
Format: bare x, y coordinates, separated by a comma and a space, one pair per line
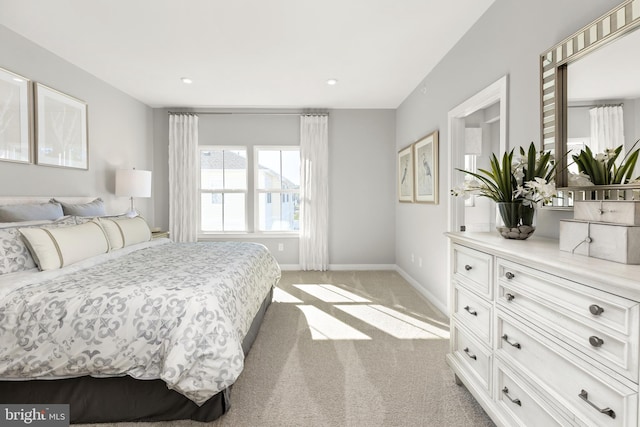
269, 169
211, 211
223, 169
211, 170
278, 211
291, 169
235, 169
234, 212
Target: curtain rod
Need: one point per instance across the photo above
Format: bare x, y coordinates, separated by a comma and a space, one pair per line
596, 105
248, 113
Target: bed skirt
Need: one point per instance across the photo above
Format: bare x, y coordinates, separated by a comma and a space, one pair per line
101, 400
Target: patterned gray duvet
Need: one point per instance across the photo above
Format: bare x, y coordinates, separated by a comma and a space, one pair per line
159, 310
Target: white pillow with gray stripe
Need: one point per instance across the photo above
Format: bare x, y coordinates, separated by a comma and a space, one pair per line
55, 248
125, 232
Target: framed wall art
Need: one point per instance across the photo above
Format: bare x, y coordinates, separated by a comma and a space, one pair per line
15, 117
425, 155
61, 129
405, 174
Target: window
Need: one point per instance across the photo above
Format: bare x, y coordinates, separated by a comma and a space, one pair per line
470, 161
277, 188
223, 189
228, 199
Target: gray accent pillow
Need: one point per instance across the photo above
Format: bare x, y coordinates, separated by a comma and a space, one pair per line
30, 212
94, 208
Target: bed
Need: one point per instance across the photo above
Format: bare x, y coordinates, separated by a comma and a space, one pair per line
156, 329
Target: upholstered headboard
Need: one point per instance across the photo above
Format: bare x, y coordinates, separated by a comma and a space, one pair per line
21, 200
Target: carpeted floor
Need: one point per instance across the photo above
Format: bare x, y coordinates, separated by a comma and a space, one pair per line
348, 349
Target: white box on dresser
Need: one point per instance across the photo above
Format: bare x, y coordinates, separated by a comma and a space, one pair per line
613, 242
564, 332
614, 211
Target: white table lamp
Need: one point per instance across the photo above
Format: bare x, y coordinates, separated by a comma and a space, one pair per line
133, 183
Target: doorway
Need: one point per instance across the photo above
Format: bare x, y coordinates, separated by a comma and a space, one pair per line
477, 128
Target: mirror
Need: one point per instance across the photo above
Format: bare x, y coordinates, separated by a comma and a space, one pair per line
603, 100
594, 67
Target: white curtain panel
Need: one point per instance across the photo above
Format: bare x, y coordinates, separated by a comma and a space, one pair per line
607, 128
183, 177
314, 192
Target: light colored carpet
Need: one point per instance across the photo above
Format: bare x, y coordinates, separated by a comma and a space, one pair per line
347, 349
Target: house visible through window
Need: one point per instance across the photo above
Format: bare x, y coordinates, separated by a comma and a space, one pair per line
277, 173
223, 189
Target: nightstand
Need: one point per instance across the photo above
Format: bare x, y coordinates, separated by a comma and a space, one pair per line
159, 234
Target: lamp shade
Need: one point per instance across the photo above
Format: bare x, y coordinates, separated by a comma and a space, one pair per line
133, 183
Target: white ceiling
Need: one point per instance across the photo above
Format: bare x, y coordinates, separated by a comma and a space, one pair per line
250, 53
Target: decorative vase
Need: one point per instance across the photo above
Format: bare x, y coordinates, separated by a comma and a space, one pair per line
515, 220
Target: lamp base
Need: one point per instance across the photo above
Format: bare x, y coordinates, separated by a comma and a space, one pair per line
132, 212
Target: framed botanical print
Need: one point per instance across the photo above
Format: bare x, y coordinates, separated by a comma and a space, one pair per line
425, 156
15, 117
61, 129
405, 174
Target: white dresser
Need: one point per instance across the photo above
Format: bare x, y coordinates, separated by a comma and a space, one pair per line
542, 337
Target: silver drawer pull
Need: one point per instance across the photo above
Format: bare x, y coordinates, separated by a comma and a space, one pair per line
596, 341
517, 345
473, 313
596, 310
509, 275
472, 356
506, 393
509, 297
608, 411
467, 267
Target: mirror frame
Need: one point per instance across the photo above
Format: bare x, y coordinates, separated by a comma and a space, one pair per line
553, 74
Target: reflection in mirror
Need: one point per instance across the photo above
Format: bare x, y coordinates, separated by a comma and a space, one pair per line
603, 102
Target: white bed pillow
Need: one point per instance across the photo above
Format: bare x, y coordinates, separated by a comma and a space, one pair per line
59, 247
123, 232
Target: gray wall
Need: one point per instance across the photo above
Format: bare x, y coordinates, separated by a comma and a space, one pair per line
508, 39
119, 131
361, 176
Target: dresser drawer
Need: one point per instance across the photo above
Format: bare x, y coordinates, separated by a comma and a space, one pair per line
521, 404
473, 312
473, 269
472, 354
566, 378
610, 336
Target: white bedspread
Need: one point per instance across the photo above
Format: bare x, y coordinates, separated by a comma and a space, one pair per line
173, 311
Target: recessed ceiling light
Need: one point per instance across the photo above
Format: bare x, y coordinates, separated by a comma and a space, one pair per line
332, 82
186, 80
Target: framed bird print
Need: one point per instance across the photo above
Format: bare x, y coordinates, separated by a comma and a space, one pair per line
425, 169
405, 174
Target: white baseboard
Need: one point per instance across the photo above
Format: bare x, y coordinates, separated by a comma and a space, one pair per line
290, 267
425, 293
345, 267
361, 267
